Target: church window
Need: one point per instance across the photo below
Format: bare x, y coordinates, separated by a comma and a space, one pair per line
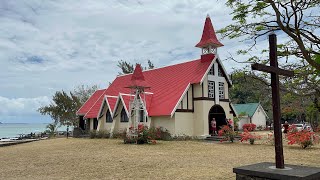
211, 71
141, 115
124, 117
108, 117
211, 89
220, 74
221, 90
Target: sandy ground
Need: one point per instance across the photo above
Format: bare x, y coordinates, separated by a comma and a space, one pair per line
110, 159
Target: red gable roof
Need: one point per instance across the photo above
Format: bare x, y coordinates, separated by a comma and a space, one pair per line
167, 85
94, 110
208, 35
90, 102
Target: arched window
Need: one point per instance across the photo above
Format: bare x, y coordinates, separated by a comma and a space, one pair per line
124, 117
108, 117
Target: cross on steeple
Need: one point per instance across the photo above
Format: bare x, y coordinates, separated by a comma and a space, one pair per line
275, 71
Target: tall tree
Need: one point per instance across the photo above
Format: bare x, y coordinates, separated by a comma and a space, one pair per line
127, 67
299, 20
83, 92
64, 105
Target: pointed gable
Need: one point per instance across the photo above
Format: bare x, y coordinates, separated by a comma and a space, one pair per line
95, 108
90, 102
208, 35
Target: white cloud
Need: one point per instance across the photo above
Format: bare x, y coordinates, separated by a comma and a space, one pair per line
21, 106
47, 46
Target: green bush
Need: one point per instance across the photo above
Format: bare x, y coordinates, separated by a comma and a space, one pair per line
93, 134
102, 134
119, 134
182, 138
160, 133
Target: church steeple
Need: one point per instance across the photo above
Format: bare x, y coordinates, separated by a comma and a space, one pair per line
137, 78
209, 41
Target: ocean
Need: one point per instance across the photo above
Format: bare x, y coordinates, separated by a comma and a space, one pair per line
14, 129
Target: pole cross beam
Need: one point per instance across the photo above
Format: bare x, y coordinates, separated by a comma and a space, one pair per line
275, 71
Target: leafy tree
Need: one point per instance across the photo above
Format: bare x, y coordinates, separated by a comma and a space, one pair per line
64, 105
84, 92
299, 20
248, 88
150, 64
51, 129
127, 67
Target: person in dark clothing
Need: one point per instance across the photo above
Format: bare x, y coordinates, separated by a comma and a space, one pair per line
67, 131
285, 127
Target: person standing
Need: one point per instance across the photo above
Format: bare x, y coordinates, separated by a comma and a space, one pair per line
285, 127
214, 126
67, 131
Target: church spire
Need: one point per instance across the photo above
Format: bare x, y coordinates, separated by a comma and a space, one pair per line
137, 78
209, 41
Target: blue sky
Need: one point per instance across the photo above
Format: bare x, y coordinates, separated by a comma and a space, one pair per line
50, 45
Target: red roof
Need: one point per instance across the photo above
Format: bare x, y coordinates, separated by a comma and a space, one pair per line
208, 35
90, 102
112, 102
94, 110
167, 85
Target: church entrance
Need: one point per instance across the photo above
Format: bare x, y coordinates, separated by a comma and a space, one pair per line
218, 113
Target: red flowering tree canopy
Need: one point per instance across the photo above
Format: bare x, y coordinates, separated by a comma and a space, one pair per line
249, 127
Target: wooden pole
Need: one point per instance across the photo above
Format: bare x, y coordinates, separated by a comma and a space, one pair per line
276, 102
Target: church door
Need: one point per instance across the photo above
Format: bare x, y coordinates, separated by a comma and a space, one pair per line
218, 113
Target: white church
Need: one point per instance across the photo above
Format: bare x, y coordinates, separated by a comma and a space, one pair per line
182, 98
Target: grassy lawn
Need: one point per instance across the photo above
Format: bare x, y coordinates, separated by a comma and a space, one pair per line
110, 159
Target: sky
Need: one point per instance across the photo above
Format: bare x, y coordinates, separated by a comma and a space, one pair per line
52, 45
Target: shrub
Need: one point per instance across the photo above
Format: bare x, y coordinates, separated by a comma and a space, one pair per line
160, 133
249, 127
142, 137
303, 138
227, 132
182, 138
93, 134
246, 135
260, 128
119, 134
102, 134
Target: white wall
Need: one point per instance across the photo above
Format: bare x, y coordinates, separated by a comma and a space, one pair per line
242, 121
183, 123
259, 118
102, 124
165, 122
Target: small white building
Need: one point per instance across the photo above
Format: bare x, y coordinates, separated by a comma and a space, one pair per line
251, 113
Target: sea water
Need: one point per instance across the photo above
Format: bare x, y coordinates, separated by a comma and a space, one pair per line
15, 129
